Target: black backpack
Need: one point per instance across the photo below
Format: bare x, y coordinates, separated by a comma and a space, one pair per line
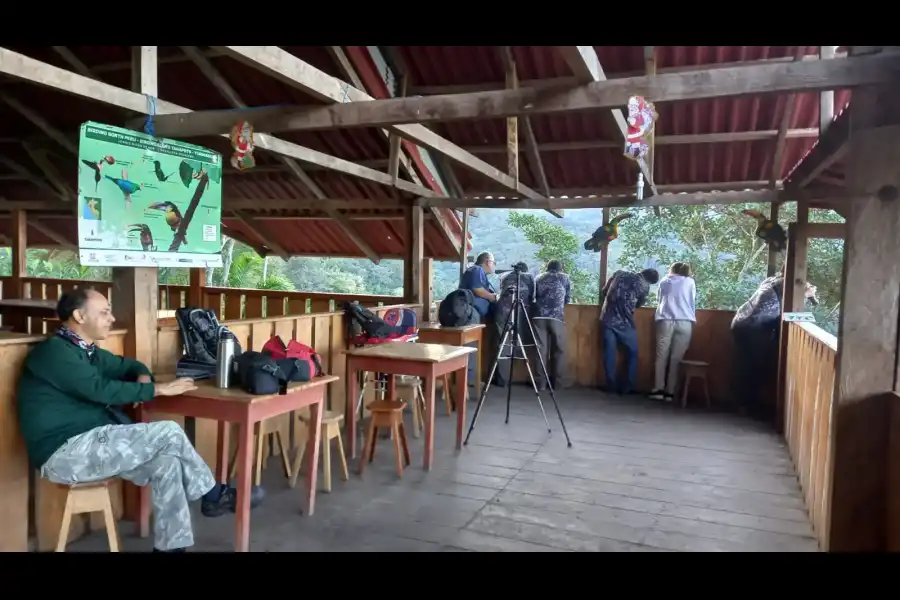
364, 323
458, 309
200, 333
259, 373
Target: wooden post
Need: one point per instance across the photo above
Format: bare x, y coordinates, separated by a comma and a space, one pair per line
136, 289
867, 356
464, 244
19, 266
195, 293
604, 261
826, 98
427, 286
415, 249
773, 254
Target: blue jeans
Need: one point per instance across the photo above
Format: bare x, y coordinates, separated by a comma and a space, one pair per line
612, 339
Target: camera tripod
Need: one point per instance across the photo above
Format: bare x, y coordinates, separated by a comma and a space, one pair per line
511, 329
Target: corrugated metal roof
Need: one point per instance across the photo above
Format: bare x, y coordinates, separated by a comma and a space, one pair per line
719, 162
181, 82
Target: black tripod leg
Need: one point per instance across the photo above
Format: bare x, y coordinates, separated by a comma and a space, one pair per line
534, 386
550, 387
490, 379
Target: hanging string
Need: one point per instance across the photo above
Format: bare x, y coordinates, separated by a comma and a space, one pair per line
151, 112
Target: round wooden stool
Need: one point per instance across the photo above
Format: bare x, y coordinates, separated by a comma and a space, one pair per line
88, 498
386, 414
331, 430
694, 369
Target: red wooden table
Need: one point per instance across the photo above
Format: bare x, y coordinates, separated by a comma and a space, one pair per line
236, 406
427, 361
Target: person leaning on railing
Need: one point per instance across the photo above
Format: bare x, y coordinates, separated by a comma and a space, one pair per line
755, 331
676, 314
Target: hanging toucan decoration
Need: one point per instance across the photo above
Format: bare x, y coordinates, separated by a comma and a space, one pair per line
606, 233
769, 231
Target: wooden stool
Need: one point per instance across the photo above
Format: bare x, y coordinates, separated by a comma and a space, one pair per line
262, 432
88, 498
388, 414
331, 430
417, 404
694, 369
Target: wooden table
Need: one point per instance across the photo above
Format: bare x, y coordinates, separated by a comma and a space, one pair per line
236, 406
16, 311
435, 333
427, 361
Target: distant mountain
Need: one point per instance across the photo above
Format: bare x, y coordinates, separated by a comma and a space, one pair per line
491, 232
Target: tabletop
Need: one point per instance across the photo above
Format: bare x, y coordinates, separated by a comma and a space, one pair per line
428, 353
439, 327
207, 389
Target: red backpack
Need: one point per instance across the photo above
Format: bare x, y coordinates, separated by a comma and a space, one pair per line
295, 351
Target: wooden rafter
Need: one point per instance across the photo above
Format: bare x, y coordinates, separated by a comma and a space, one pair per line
556, 82
251, 224
224, 88
765, 196
28, 69
830, 148
299, 74
787, 115
662, 140
737, 81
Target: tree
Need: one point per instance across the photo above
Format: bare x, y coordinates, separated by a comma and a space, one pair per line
727, 258
556, 243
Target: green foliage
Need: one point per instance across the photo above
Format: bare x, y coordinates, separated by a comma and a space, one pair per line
555, 242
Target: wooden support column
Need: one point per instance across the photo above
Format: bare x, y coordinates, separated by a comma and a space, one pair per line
464, 244
18, 250
863, 471
136, 289
773, 254
427, 286
195, 292
415, 250
826, 98
512, 123
604, 260
794, 300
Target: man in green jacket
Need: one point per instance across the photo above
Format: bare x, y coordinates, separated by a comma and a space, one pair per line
70, 399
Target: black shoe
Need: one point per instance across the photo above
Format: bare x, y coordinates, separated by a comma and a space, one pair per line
669, 397
172, 551
218, 501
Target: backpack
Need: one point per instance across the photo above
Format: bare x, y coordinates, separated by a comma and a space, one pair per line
310, 363
365, 327
260, 374
200, 333
458, 309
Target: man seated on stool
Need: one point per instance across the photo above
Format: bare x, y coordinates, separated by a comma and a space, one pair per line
70, 399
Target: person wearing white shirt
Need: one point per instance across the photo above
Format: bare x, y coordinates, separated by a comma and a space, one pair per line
676, 314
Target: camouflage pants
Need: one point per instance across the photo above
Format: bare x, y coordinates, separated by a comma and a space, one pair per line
157, 453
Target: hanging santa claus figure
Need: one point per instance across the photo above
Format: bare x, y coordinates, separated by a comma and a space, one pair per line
641, 118
242, 142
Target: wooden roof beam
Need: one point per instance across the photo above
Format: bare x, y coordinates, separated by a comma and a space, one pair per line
52, 234
662, 140
555, 82
787, 115
738, 81
294, 72
224, 88
34, 71
628, 200
830, 148
251, 224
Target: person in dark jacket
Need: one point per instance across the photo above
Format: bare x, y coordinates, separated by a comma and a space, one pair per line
553, 291
502, 310
755, 331
70, 399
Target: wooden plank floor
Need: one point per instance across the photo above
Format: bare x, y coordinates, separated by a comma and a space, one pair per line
640, 477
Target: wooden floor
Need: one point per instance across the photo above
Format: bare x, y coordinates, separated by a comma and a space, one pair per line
640, 477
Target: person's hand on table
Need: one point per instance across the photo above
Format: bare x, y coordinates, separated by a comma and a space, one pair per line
175, 388
144, 379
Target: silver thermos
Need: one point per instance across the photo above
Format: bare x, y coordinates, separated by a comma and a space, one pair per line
224, 359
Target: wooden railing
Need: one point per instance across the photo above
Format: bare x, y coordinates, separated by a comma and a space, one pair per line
229, 303
809, 396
